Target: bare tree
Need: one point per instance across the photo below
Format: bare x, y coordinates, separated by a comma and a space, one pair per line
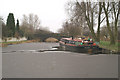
36, 24
30, 24
99, 22
70, 29
116, 10
90, 10
32, 21
86, 14
76, 22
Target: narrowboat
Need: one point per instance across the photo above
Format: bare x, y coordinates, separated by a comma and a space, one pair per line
79, 45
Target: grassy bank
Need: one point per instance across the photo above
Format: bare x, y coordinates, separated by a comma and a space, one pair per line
5, 44
106, 45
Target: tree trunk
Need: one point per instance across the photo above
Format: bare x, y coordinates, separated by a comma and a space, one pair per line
112, 38
91, 28
99, 19
116, 26
116, 20
116, 30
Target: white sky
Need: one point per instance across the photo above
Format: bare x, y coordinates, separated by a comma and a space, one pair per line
51, 12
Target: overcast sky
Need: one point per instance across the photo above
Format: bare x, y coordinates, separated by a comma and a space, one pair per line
51, 12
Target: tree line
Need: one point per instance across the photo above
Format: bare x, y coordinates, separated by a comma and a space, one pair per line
10, 29
85, 16
29, 27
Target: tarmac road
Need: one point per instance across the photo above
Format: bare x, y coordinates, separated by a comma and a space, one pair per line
24, 61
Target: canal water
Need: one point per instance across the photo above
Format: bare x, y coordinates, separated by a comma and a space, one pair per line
42, 60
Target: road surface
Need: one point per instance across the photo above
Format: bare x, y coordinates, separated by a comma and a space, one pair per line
24, 61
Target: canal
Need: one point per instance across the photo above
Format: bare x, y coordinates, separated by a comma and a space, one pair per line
27, 60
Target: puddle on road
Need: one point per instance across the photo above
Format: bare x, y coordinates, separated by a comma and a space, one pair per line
53, 49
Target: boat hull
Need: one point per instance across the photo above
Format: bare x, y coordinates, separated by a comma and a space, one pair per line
81, 49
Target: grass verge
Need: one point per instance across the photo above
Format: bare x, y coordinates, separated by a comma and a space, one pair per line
5, 44
106, 45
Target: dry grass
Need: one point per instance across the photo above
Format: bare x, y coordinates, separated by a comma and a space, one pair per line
51, 39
